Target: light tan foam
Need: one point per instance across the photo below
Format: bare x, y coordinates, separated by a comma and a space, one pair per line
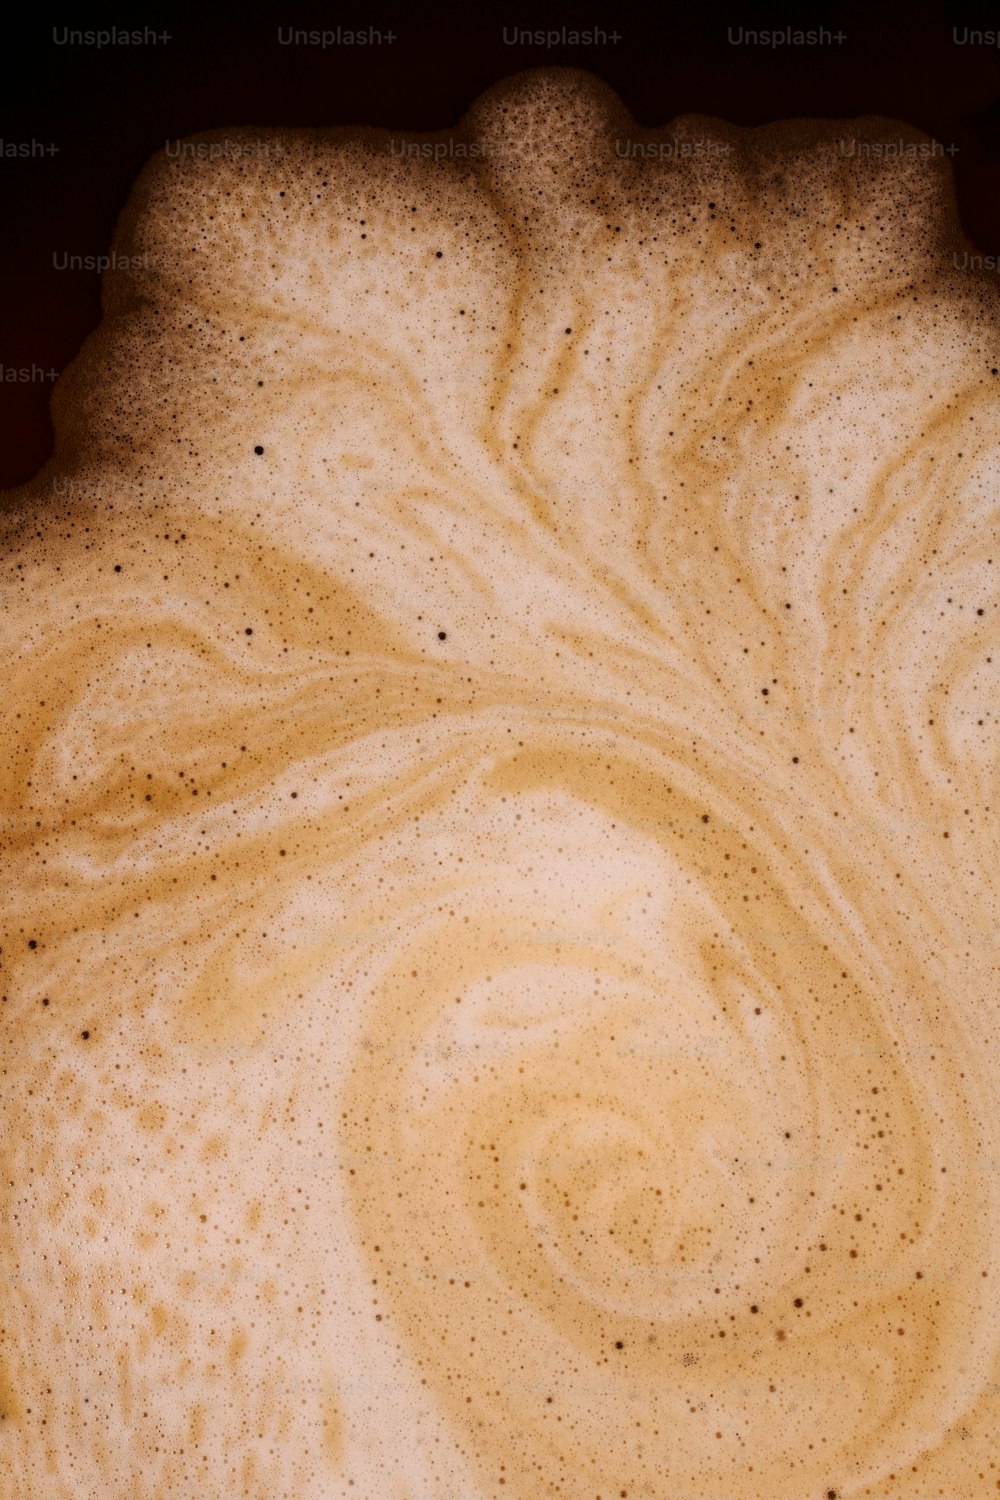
500, 904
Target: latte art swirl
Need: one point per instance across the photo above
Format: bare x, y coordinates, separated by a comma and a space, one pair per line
501, 941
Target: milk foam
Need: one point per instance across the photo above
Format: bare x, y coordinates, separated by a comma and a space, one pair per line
501, 922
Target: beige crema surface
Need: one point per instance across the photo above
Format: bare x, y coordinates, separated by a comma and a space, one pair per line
500, 789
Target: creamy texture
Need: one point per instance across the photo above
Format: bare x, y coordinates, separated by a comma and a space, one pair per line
501, 918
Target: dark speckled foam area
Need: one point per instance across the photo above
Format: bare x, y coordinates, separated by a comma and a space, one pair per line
500, 922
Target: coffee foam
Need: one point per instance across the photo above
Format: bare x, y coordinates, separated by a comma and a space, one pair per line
501, 922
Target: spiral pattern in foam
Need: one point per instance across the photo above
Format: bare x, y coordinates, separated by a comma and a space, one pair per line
500, 931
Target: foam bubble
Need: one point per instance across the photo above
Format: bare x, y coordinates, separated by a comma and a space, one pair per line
501, 929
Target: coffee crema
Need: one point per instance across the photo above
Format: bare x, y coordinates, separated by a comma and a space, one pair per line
501, 922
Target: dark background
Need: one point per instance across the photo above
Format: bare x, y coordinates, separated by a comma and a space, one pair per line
108, 110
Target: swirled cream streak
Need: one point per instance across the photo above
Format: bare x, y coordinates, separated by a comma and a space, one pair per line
500, 787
